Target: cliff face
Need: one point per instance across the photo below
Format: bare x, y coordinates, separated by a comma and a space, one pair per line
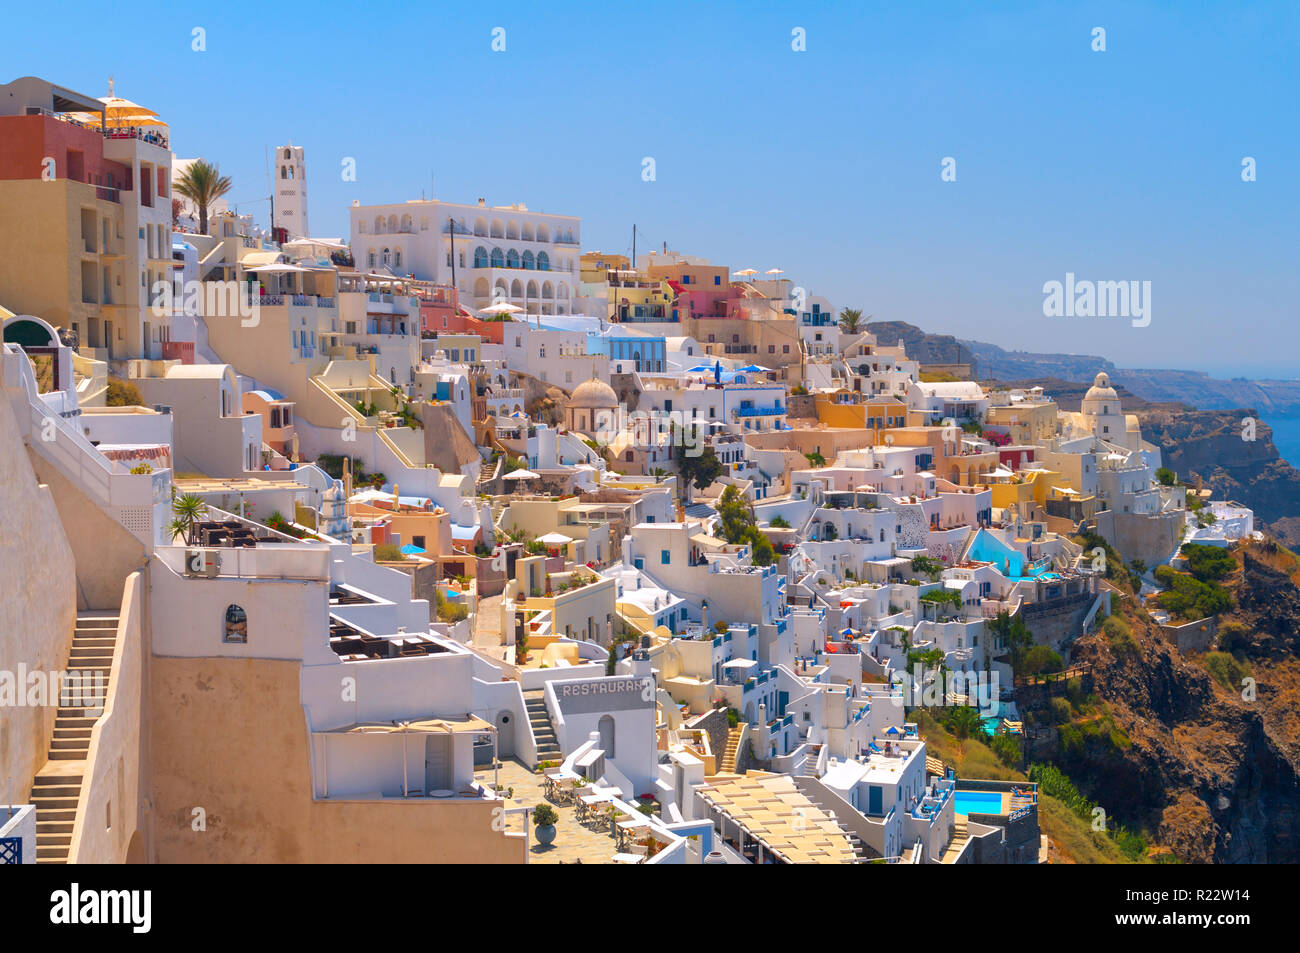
1209, 444
1274, 397
1210, 774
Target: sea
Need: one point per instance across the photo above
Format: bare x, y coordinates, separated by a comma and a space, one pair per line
1286, 435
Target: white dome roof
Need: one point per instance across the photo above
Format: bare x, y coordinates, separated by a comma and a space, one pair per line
593, 393
1101, 389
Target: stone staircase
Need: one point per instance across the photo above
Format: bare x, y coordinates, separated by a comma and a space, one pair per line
57, 785
809, 768
960, 835
732, 749
548, 745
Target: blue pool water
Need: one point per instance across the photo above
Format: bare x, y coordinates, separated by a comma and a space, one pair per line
989, 549
991, 725
977, 802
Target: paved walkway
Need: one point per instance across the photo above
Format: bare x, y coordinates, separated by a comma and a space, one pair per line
574, 842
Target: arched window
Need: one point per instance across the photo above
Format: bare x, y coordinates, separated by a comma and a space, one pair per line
606, 728
288, 154
543, 261
236, 629
480, 257
529, 262
498, 258
512, 259
386, 257
397, 258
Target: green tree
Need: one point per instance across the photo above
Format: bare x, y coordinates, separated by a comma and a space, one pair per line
1015, 636
699, 471
1166, 477
737, 525
202, 183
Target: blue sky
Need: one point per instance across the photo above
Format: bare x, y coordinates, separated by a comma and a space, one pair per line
1115, 165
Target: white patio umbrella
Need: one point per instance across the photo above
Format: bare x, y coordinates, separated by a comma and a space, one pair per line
521, 475
554, 539
745, 273
501, 307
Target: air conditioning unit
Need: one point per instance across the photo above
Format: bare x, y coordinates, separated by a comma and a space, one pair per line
203, 563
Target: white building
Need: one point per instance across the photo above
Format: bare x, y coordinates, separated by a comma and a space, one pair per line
497, 253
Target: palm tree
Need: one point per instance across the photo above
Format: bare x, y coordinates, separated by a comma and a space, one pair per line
202, 183
851, 320
965, 722
188, 511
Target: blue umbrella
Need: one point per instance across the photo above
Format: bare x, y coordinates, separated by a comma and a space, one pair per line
700, 369
751, 368
717, 371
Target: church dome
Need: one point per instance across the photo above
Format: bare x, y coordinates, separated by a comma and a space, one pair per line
594, 393
1101, 389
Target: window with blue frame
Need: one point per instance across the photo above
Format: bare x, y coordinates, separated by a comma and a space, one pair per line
665, 557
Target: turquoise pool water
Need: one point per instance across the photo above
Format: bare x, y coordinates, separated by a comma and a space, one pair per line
1011, 563
977, 802
991, 725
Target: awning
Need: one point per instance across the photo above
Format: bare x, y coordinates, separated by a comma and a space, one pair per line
449, 725
744, 663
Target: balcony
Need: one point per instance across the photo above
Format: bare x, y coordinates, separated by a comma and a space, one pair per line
758, 411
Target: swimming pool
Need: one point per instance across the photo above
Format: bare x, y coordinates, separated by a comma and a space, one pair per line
977, 802
987, 548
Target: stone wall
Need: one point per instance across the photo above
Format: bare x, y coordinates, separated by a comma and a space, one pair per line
39, 607
714, 724
1059, 621
802, 405
1195, 636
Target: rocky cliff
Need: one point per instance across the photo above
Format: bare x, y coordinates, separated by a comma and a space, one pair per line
1211, 445
1206, 768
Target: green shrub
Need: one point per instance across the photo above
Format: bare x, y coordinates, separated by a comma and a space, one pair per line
122, 393
388, 553
1007, 749
1208, 563
1041, 660
448, 611
544, 814
1225, 669
1120, 637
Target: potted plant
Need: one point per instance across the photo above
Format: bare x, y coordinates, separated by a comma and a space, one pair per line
545, 816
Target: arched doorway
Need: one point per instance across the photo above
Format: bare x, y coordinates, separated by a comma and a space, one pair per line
606, 728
